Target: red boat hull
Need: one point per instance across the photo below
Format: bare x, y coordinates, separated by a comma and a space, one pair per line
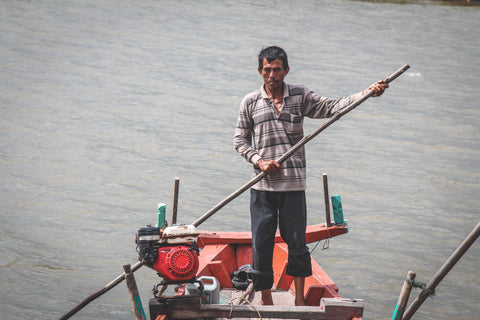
224, 252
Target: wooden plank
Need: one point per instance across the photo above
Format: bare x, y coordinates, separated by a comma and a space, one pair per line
165, 305
314, 233
188, 307
341, 308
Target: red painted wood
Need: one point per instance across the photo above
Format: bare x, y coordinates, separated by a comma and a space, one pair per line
280, 261
218, 261
244, 254
314, 233
314, 293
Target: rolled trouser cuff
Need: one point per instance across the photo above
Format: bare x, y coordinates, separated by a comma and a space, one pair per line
262, 280
299, 263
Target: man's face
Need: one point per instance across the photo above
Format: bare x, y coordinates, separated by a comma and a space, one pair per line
273, 74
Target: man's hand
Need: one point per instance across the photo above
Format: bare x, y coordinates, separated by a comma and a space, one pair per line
378, 88
268, 166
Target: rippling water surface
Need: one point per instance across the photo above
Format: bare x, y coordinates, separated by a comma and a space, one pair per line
104, 103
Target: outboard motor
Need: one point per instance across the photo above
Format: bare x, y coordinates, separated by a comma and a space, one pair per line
172, 252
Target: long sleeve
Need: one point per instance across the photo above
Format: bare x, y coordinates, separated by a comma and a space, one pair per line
242, 140
321, 107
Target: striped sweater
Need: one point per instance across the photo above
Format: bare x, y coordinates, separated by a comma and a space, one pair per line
262, 132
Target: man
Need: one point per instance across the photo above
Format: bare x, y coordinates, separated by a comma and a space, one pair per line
270, 122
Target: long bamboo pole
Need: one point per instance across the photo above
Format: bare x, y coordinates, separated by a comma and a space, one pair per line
297, 146
97, 294
442, 272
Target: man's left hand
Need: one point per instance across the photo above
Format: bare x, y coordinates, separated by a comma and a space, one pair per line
377, 88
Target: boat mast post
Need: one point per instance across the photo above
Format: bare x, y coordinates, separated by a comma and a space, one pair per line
404, 295
175, 201
327, 201
133, 291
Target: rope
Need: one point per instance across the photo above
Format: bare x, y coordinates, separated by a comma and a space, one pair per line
242, 299
422, 285
315, 247
326, 244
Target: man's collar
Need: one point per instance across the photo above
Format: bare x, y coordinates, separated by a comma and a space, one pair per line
266, 96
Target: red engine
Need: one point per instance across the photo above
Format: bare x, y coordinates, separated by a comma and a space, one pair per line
177, 263
173, 253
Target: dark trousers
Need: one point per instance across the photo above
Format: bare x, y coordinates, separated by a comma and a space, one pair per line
289, 210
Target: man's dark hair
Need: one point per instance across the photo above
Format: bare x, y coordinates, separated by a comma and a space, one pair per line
272, 53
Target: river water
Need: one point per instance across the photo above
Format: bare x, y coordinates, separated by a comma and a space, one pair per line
103, 103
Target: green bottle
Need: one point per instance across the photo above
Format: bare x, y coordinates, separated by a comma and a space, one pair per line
337, 209
161, 215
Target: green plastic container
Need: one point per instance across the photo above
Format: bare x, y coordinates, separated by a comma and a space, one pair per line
161, 215
337, 209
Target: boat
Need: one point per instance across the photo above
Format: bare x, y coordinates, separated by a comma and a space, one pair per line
222, 254
205, 268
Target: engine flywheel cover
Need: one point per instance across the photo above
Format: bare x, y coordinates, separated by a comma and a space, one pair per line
181, 260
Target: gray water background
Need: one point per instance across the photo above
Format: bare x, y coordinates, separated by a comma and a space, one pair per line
103, 103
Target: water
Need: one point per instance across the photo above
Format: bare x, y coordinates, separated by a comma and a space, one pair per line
104, 103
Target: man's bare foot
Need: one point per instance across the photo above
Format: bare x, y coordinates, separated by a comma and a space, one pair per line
299, 291
299, 301
267, 299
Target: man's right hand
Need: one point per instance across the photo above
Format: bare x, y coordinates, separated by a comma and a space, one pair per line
268, 166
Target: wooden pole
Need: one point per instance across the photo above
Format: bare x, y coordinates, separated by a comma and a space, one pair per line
97, 294
404, 295
442, 272
175, 201
297, 146
134, 296
327, 200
